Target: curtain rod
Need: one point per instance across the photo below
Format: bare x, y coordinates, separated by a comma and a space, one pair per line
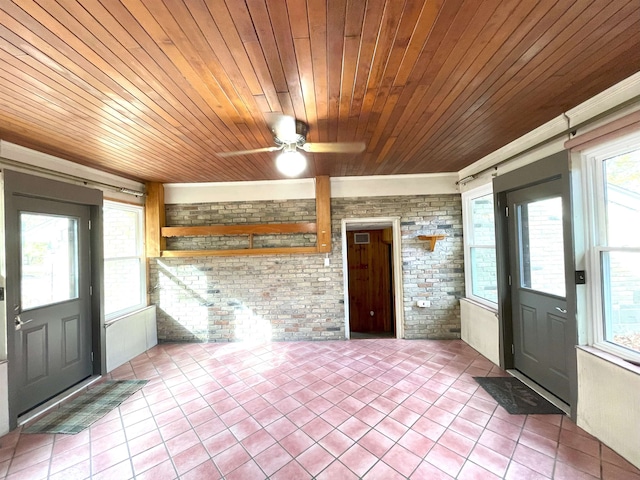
68, 176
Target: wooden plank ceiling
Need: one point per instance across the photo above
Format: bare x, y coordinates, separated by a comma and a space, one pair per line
152, 89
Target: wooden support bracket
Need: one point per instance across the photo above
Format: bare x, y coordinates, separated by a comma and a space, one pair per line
432, 239
323, 213
262, 229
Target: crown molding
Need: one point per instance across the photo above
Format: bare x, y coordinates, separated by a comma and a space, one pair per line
611, 97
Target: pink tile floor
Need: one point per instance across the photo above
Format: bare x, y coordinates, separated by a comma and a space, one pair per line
374, 409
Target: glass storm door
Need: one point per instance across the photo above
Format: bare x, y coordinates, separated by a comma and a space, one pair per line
541, 331
50, 318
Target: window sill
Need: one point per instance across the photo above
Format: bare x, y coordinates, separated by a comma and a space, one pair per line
489, 308
628, 365
124, 314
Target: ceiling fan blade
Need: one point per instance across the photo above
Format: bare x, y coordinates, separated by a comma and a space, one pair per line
283, 126
247, 152
337, 147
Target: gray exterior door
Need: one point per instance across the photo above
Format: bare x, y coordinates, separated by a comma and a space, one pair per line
50, 323
543, 334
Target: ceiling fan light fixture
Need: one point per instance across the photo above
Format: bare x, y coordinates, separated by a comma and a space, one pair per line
291, 163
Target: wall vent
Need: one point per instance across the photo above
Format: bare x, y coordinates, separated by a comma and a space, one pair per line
360, 238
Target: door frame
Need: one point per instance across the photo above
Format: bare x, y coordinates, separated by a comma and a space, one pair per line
553, 167
396, 256
46, 189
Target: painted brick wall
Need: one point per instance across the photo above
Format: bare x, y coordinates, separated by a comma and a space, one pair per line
435, 276
236, 213
291, 297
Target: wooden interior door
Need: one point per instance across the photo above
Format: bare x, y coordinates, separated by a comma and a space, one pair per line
370, 285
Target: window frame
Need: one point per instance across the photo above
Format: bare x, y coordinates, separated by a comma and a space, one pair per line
467, 224
596, 243
140, 255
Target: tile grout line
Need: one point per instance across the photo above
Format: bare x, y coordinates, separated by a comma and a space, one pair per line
181, 375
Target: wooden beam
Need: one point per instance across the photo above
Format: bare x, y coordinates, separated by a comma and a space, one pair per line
239, 252
261, 229
323, 213
154, 219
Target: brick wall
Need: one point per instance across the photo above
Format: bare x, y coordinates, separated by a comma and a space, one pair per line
238, 213
291, 297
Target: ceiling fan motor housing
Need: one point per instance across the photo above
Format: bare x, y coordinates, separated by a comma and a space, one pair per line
300, 138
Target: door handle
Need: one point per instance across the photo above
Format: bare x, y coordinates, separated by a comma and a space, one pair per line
561, 310
19, 323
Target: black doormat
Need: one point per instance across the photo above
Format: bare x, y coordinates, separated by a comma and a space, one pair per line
515, 397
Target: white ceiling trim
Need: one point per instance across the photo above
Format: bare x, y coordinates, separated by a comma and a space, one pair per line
60, 168
341, 187
611, 97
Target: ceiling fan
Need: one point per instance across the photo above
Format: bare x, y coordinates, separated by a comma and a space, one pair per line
290, 135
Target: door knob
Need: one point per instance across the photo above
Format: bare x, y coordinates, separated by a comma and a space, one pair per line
19, 323
371, 313
561, 310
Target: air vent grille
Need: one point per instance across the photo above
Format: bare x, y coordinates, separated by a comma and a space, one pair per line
360, 238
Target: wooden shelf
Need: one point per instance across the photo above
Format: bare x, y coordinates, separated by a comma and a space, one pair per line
260, 229
239, 252
157, 232
432, 239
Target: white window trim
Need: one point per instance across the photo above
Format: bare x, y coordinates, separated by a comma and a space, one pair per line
595, 229
467, 226
139, 210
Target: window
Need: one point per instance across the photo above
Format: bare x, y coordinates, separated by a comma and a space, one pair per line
49, 259
614, 259
480, 246
124, 263
542, 246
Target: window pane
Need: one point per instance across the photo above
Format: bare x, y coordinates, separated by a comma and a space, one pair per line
124, 262
483, 273
121, 284
49, 259
482, 220
622, 185
120, 232
542, 246
621, 294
